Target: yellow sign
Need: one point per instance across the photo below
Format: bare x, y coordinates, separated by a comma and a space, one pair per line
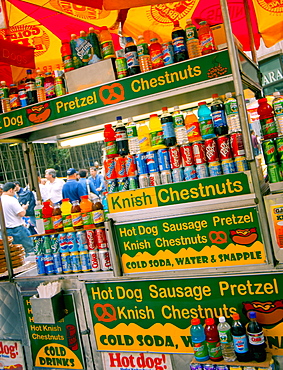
277, 218
57, 355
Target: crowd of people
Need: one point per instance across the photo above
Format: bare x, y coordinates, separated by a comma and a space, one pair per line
18, 203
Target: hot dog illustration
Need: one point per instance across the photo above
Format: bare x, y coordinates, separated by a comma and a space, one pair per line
267, 313
244, 236
39, 113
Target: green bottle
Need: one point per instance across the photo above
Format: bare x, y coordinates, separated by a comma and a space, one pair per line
76, 60
93, 39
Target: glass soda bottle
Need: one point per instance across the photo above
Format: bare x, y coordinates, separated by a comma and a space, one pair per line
132, 134
110, 141
266, 118
14, 97
155, 133
212, 340
49, 86
277, 104
86, 209
106, 43
30, 87
192, 127
240, 339
256, 338
198, 340
57, 219
144, 138
131, 54
179, 43
143, 55
155, 52
206, 39
205, 121
226, 340
192, 41
179, 126
76, 215
232, 113
121, 137
168, 128
66, 208
47, 212
218, 116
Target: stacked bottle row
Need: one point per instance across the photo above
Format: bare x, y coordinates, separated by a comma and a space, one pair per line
222, 341
73, 252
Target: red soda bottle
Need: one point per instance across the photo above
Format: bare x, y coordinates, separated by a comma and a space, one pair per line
155, 52
212, 340
110, 141
267, 121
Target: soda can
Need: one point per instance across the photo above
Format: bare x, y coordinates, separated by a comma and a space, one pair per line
241, 164
112, 186
154, 179
211, 151
273, 171
214, 169
152, 161
131, 167
141, 163
279, 147
209, 367
143, 181
133, 183
75, 262
49, 264
187, 155
109, 167
167, 53
81, 240
196, 366
54, 242
222, 367
199, 152
202, 171
57, 263
163, 159
121, 67
23, 97
120, 167
223, 145
46, 245
228, 166
190, 173
123, 184
166, 177
175, 157
66, 263
40, 265
91, 239
237, 144
85, 261
178, 174
94, 260
104, 259
269, 151
38, 245
100, 239
63, 243
72, 242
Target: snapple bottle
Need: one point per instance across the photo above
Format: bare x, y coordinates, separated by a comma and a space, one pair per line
66, 215
57, 219
76, 215
47, 212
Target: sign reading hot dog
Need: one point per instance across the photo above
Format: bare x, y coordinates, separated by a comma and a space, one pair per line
224, 238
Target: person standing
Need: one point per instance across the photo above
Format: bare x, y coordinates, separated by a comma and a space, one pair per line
73, 189
97, 180
26, 196
53, 186
255, 143
13, 213
88, 185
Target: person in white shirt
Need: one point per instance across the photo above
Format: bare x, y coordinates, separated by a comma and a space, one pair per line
53, 186
13, 213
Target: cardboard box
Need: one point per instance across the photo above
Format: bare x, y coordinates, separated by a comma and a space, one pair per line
220, 37
48, 310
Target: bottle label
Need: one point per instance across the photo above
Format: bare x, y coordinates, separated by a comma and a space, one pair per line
156, 138
132, 132
193, 132
206, 127
142, 49
132, 59
168, 130
77, 219
47, 222
98, 216
87, 218
38, 213
30, 85
59, 88
231, 107
144, 142
178, 121
107, 49
225, 336
121, 135
278, 107
219, 118
191, 33
268, 126
49, 89
39, 81
206, 42
200, 350
57, 222
156, 58
111, 148
240, 343
256, 339
214, 350
179, 45
67, 221
14, 101
68, 63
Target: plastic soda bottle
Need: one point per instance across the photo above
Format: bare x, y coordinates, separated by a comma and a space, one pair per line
49, 86
155, 52
59, 84
168, 128
155, 133
131, 54
110, 141
179, 126
76, 215
86, 209
218, 116
179, 43
240, 339
4, 90
198, 341
66, 215
205, 121
39, 217
106, 43
143, 55
14, 97
132, 134
232, 113
206, 39
76, 60
212, 340
277, 104
192, 41
57, 219
105, 205
256, 338
192, 127
30, 88
93, 39
226, 340
47, 212
121, 137
39, 79
266, 118
66, 54
144, 138
98, 214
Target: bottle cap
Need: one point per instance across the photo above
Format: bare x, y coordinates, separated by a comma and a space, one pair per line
236, 316
276, 93
202, 23
13, 85
103, 28
73, 35
3, 82
222, 319
153, 115
91, 29
29, 71
252, 315
48, 74
154, 40
65, 200
202, 103
188, 20
195, 321
164, 109
228, 95
176, 107
214, 96
176, 23
84, 197
82, 33
209, 321
130, 119
129, 39
119, 118
262, 100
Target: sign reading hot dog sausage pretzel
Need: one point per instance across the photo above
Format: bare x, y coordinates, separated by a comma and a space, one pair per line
218, 239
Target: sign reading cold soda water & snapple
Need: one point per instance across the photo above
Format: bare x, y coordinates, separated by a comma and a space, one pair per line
155, 315
217, 239
55, 346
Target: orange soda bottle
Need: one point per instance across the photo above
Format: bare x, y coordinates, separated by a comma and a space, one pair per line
86, 209
192, 127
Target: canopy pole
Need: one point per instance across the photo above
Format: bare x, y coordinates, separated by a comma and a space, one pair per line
31, 168
234, 60
250, 30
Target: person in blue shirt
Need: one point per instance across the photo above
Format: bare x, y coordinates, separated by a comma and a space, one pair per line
73, 189
98, 180
87, 184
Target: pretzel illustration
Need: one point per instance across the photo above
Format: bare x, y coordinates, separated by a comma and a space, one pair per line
108, 312
218, 237
111, 94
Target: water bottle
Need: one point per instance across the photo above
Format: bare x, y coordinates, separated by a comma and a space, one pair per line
232, 113
39, 218
132, 134
198, 341
226, 340
179, 127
